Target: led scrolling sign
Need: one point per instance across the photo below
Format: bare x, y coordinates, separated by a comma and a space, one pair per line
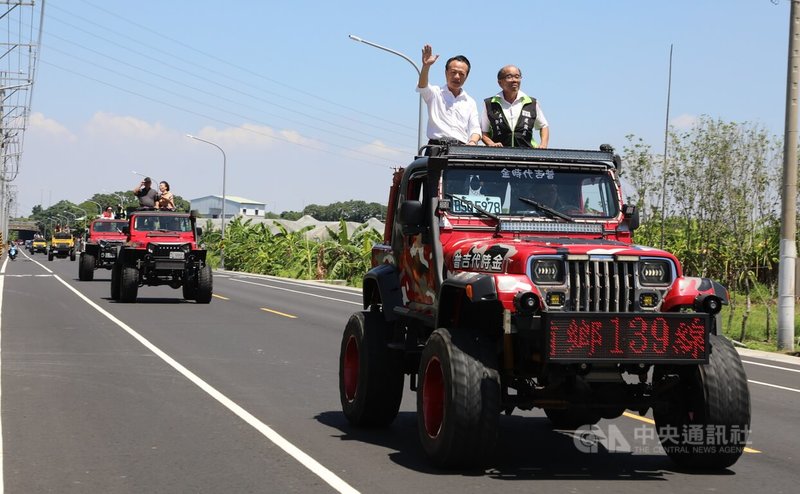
621, 337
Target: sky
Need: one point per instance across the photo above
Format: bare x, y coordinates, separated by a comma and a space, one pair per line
305, 115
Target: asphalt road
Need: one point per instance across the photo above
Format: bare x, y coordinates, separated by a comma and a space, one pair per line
241, 395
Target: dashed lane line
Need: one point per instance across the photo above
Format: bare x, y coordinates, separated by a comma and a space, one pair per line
279, 313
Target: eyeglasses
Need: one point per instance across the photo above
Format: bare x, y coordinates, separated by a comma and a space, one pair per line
512, 77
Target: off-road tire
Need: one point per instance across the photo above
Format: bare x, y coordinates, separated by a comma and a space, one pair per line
370, 374
458, 400
129, 284
709, 399
205, 285
189, 289
116, 275
572, 418
86, 266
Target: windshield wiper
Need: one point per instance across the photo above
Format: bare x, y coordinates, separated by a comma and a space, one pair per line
478, 209
552, 213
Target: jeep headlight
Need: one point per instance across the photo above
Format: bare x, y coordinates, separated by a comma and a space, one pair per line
655, 272
547, 271
186, 248
151, 248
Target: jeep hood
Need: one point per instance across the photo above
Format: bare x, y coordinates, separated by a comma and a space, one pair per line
511, 254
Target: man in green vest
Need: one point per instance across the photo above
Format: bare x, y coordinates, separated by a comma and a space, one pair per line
511, 118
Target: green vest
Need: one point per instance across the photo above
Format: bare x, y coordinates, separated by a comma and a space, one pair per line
500, 130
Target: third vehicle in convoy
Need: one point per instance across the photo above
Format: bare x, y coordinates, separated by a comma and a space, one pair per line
507, 279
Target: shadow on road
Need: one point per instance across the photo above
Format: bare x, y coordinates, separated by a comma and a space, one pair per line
528, 448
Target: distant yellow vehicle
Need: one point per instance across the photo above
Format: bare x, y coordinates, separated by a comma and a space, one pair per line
39, 245
61, 245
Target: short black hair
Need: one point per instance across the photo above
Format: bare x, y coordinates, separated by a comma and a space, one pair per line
458, 58
165, 183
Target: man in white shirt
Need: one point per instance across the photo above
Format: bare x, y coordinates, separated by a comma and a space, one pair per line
452, 113
511, 117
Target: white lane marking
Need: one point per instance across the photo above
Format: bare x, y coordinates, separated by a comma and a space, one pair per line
307, 461
774, 386
29, 275
770, 366
297, 291
307, 284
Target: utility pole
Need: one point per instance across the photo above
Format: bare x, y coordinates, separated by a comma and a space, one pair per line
788, 247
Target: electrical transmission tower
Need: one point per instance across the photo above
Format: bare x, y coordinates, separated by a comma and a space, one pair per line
20, 39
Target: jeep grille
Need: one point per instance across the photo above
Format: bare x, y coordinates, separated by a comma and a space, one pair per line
601, 285
163, 250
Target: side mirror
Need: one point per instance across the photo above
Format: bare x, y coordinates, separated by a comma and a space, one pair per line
126, 229
631, 213
198, 232
412, 217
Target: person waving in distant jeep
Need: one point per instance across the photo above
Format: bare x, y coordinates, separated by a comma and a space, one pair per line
146, 194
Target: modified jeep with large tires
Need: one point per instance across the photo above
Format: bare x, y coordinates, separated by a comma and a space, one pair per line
161, 249
508, 278
62, 245
104, 239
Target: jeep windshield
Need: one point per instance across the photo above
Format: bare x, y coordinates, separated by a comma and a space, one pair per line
62, 236
109, 226
163, 224
531, 191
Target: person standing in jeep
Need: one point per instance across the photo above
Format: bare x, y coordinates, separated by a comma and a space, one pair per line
511, 117
452, 113
146, 194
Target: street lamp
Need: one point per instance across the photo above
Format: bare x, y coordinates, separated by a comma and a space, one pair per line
420, 133
85, 214
99, 206
74, 217
224, 167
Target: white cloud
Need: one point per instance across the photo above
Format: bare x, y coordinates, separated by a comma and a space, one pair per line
125, 127
684, 122
39, 123
282, 168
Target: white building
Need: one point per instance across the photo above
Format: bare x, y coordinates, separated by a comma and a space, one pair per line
211, 206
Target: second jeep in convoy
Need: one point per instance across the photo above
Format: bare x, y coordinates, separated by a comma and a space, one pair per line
100, 249
161, 249
507, 279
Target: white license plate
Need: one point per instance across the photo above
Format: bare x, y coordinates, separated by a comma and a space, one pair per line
176, 254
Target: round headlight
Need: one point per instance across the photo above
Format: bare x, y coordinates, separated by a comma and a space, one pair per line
150, 248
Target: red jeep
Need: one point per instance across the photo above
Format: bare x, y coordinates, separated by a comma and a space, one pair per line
161, 249
100, 249
508, 279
